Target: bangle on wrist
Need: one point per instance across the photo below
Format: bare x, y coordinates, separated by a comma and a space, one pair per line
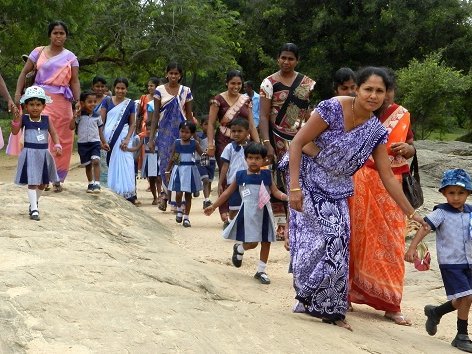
58, 146
295, 189
412, 214
265, 141
15, 124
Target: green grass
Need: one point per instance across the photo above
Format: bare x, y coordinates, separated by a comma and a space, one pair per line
449, 136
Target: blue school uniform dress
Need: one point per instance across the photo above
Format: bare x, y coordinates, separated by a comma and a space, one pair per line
209, 170
151, 161
454, 247
252, 224
35, 164
185, 176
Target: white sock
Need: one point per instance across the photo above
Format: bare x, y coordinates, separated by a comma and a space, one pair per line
261, 267
207, 199
179, 210
90, 182
33, 199
97, 183
39, 192
185, 217
240, 250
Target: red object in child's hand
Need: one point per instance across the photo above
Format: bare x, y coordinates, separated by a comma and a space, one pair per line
424, 258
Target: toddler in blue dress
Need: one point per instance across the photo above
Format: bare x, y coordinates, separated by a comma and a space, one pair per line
184, 175
36, 167
254, 222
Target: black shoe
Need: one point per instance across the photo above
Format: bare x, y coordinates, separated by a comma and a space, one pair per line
178, 218
34, 215
206, 203
186, 223
90, 188
262, 277
196, 194
97, 188
236, 262
462, 342
432, 320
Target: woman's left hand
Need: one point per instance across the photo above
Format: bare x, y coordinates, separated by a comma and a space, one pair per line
403, 149
124, 145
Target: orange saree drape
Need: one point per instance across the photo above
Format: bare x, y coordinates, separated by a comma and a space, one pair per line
376, 267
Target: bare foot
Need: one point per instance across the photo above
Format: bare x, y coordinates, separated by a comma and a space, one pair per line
339, 323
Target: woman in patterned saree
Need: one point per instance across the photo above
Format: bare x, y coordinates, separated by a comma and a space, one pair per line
284, 100
346, 133
172, 105
225, 107
118, 116
58, 75
378, 225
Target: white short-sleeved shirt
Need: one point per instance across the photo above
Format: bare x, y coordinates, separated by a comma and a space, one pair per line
233, 154
453, 234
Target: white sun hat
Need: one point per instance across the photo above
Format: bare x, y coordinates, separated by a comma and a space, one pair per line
35, 92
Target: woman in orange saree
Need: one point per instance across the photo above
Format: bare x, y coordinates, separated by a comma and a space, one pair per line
376, 266
58, 74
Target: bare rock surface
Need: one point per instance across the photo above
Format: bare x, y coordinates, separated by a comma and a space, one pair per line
98, 275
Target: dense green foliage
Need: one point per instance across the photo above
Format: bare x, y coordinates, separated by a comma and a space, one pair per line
137, 38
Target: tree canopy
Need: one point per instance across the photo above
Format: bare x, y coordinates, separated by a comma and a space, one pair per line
137, 38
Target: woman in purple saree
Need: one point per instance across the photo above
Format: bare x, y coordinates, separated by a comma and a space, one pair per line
345, 132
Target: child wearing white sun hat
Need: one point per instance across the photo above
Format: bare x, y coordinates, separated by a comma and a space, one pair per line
36, 167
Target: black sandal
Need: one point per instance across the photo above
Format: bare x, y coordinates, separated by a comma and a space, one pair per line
236, 262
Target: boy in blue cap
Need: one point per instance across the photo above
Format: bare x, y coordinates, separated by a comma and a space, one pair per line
453, 225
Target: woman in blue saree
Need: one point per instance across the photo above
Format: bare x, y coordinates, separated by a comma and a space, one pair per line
118, 115
172, 105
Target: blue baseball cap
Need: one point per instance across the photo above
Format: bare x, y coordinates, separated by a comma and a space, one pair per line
456, 177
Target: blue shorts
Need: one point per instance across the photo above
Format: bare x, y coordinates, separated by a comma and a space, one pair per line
235, 200
457, 280
88, 152
207, 171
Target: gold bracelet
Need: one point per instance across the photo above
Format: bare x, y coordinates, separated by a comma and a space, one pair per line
412, 214
211, 147
265, 141
295, 189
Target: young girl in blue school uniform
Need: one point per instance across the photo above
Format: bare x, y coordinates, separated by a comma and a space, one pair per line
36, 167
254, 222
452, 222
184, 176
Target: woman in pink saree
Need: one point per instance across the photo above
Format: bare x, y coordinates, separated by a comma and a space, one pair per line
58, 74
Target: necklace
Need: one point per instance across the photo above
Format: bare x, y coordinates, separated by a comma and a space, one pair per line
36, 121
354, 114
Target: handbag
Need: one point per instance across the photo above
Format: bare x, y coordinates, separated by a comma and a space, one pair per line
424, 257
31, 76
411, 185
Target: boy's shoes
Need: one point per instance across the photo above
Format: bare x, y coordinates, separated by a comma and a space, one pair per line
206, 203
432, 321
462, 342
96, 188
196, 194
34, 215
178, 218
186, 223
90, 188
262, 277
236, 262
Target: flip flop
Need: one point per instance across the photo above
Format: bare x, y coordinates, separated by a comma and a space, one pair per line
398, 318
